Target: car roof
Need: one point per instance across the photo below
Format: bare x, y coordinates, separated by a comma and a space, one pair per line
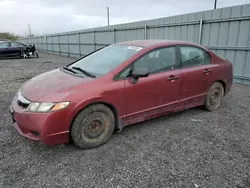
151, 43
2, 41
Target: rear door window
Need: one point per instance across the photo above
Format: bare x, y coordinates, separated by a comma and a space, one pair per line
192, 56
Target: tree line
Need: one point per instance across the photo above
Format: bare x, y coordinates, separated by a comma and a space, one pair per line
9, 36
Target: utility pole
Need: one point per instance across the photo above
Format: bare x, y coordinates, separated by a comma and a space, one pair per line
29, 30
108, 14
215, 4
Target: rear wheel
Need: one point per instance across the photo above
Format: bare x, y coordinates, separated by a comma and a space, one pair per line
93, 126
214, 97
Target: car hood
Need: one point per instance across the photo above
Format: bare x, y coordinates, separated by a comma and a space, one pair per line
52, 86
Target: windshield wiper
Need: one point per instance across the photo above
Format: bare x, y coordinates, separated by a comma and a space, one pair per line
68, 69
84, 72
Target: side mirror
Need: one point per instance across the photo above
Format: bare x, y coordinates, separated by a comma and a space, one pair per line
138, 73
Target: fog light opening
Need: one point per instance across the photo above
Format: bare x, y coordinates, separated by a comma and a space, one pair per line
35, 133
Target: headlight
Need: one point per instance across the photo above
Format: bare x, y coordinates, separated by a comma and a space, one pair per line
46, 107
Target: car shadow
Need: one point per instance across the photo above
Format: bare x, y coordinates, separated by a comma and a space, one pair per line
118, 140
70, 148
154, 121
7, 58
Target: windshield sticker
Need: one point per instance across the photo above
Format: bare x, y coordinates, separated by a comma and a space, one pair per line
134, 48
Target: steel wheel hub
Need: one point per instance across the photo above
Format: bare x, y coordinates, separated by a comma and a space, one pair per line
94, 126
215, 97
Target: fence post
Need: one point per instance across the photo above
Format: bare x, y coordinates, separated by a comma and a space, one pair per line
67, 43
200, 31
52, 44
43, 43
59, 47
46, 43
94, 40
79, 45
145, 32
113, 36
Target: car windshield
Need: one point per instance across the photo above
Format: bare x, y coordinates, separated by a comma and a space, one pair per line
106, 59
23, 44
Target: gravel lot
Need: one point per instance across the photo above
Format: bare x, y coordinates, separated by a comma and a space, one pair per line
193, 148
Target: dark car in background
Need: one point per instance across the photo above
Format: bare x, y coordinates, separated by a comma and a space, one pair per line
3, 40
16, 49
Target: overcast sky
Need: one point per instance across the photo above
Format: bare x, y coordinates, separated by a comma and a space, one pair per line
50, 16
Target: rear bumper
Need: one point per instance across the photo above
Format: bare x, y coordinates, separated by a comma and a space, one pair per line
50, 128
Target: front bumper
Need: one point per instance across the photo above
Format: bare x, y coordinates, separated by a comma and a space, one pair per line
51, 128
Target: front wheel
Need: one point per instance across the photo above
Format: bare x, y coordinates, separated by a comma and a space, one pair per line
21, 55
93, 126
214, 97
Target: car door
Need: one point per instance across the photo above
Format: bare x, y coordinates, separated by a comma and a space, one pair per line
4, 49
156, 94
14, 49
196, 75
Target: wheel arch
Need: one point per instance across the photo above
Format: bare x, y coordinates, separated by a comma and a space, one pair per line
118, 122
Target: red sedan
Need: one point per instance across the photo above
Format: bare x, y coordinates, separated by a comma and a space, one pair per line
121, 84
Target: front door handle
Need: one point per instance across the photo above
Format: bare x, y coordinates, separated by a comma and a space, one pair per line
172, 78
206, 71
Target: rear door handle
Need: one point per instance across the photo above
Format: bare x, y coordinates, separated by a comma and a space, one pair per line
172, 78
207, 71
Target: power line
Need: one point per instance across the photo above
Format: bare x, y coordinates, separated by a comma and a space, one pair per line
29, 30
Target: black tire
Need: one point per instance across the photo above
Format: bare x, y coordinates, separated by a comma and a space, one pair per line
21, 55
37, 55
214, 97
93, 126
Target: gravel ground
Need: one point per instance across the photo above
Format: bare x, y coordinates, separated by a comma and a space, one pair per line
193, 148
